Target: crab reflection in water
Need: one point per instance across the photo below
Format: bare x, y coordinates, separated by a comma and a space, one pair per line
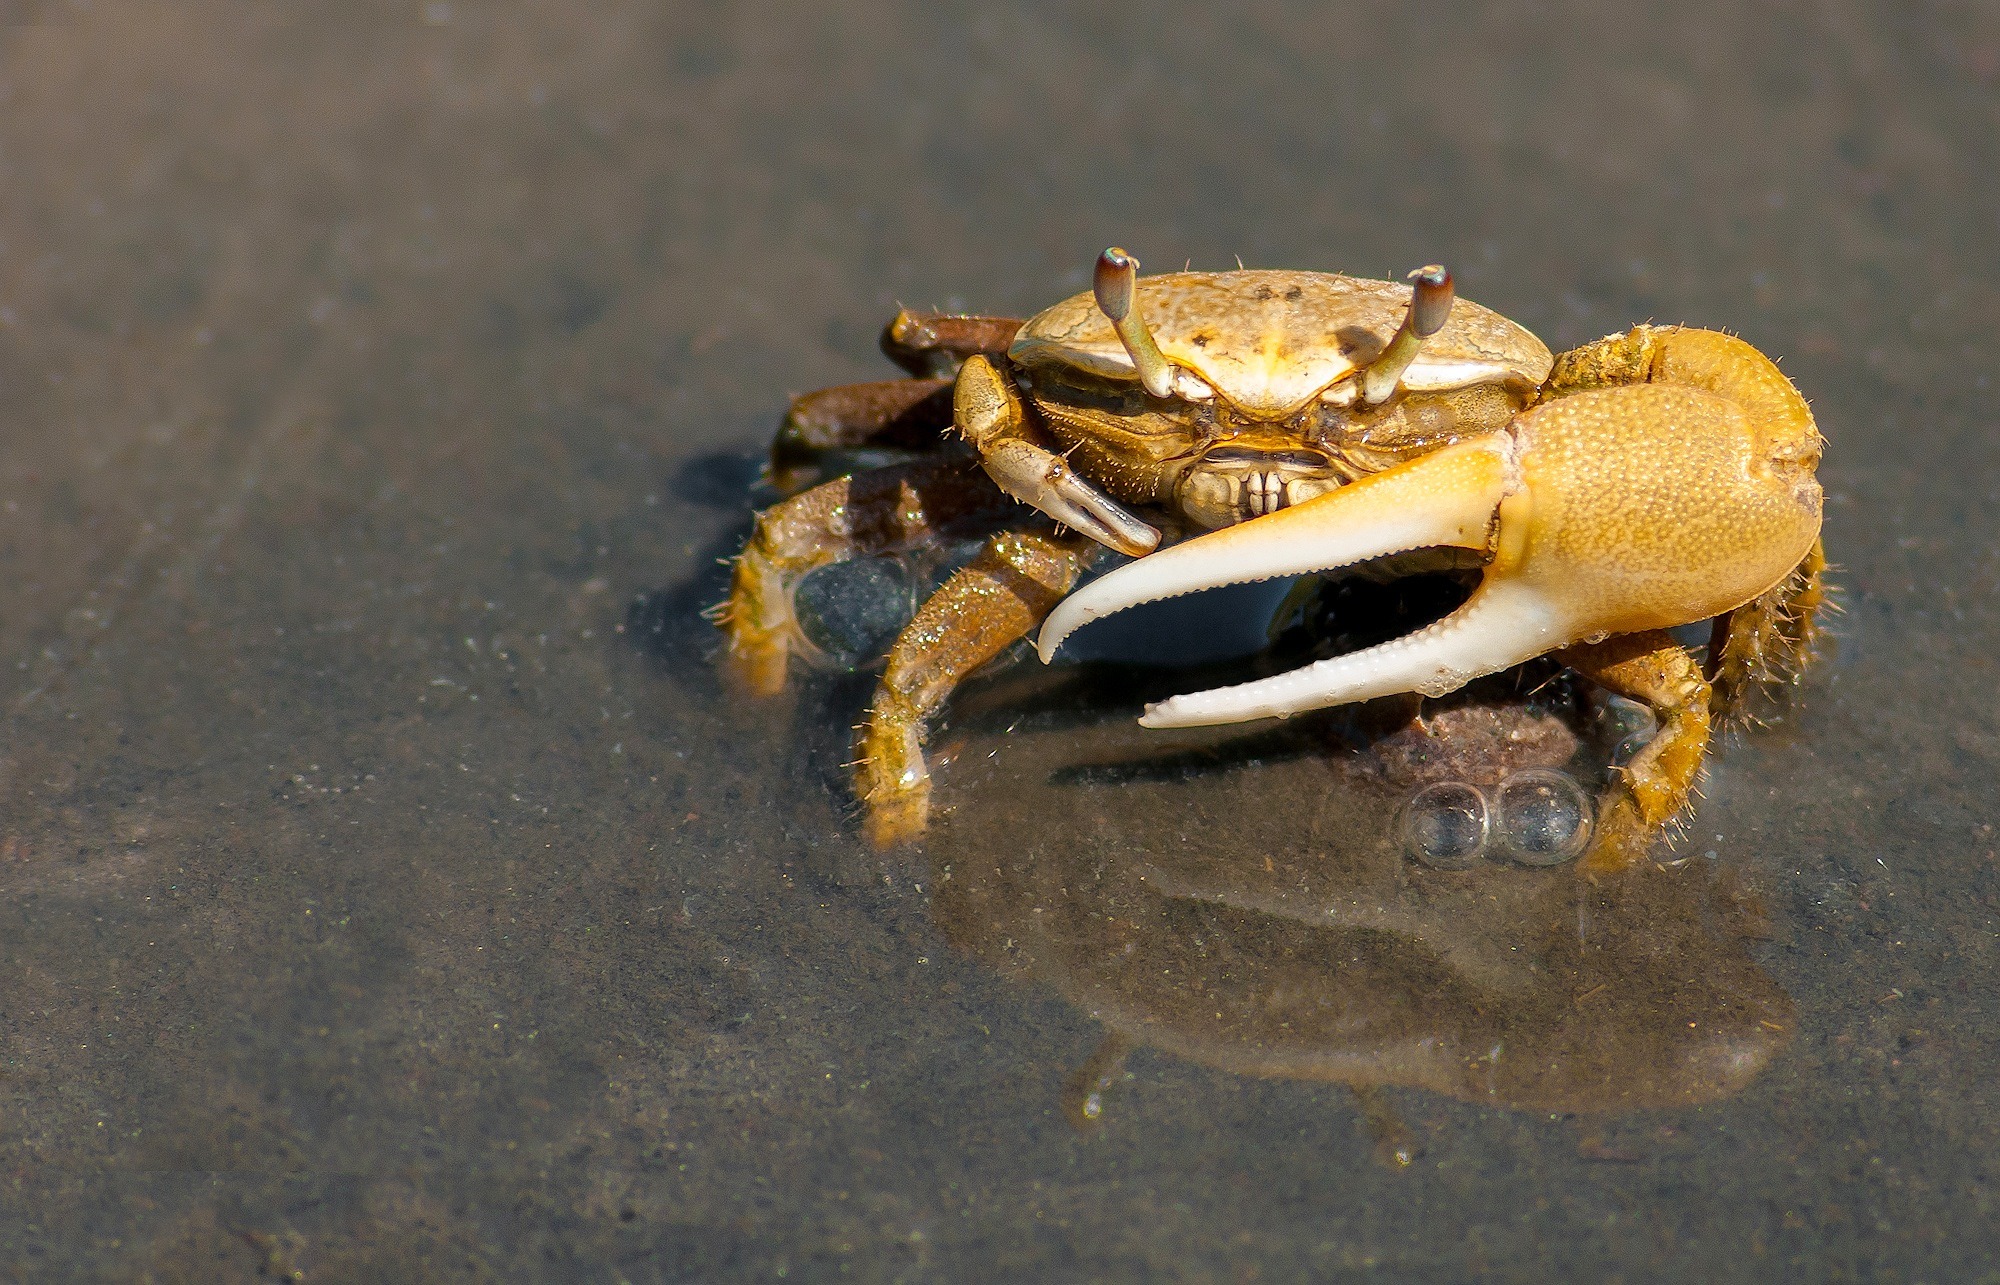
1248, 903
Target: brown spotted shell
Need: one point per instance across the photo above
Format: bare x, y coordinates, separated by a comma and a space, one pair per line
1270, 341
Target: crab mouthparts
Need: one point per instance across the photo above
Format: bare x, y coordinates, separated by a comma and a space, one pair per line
1456, 497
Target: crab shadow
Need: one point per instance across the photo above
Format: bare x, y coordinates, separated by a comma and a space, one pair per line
672, 625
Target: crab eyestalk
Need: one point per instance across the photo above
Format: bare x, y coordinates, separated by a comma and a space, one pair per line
1117, 274
1430, 307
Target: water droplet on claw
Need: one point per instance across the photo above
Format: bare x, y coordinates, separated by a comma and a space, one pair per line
1445, 825
1541, 818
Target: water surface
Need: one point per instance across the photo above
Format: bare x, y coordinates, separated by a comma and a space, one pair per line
384, 896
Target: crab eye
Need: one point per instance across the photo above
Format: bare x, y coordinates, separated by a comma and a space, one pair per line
1192, 386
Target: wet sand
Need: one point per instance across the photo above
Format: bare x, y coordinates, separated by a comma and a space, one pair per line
389, 888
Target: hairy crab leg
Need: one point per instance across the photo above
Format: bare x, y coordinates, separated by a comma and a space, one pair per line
986, 606
1657, 785
879, 511
1768, 639
935, 344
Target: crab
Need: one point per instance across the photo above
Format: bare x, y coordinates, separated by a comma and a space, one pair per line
1219, 428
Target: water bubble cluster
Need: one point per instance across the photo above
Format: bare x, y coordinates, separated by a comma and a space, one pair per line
1539, 817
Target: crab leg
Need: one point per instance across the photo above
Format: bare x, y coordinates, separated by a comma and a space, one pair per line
1768, 640
1656, 785
984, 608
935, 344
908, 413
875, 512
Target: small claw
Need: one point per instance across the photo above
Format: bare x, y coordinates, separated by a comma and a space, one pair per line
1040, 479
987, 411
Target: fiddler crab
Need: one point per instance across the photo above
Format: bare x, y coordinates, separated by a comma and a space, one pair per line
1314, 424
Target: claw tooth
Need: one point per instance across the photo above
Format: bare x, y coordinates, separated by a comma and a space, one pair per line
1447, 498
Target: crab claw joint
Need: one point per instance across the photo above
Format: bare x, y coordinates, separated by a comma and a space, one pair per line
1605, 512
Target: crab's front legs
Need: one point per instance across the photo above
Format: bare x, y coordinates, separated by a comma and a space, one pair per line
875, 512
984, 608
1658, 783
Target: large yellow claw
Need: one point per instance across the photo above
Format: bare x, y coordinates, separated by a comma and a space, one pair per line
1665, 477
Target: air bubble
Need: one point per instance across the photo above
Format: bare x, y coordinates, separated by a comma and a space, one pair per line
1623, 716
852, 611
1541, 818
1444, 825
1630, 748
1627, 727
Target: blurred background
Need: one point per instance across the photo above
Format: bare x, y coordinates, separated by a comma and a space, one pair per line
383, 895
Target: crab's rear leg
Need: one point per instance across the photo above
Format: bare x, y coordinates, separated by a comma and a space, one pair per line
1658, 783
880, 511
988, 605
897, 414
1768, 640
935, 344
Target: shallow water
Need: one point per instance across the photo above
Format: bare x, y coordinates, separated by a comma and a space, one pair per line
388, 896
